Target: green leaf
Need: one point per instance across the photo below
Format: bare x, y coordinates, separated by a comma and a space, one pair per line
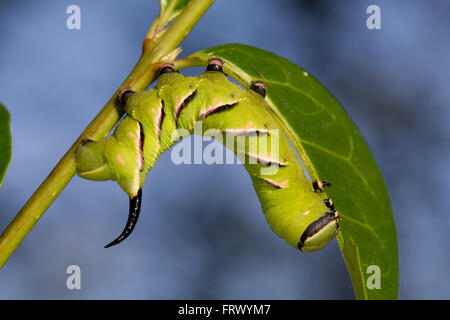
170, 9
5, 142
332, 150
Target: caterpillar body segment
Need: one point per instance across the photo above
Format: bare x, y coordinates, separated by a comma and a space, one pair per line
238, 118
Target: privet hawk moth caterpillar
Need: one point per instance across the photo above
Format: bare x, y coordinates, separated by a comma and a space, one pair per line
291, 203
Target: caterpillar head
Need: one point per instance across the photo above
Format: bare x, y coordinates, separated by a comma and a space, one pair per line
320, 232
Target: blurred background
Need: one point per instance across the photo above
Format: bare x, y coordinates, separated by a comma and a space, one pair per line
201, 234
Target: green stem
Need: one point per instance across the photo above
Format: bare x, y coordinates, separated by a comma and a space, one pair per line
143, 74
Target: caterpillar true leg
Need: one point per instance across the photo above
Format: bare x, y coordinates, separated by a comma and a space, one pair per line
319, 185
329, 203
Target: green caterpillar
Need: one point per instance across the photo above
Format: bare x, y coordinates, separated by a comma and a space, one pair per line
292, 205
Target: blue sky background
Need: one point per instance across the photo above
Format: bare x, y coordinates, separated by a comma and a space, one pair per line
201, 233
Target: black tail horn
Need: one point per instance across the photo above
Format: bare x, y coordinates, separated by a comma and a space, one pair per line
135, 208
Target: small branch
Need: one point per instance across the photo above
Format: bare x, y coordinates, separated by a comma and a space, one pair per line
143, 74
